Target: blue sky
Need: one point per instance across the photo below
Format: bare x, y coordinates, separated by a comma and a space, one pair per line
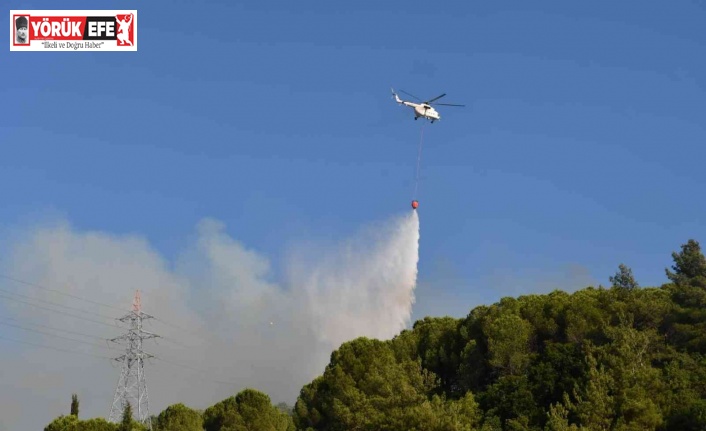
581, 146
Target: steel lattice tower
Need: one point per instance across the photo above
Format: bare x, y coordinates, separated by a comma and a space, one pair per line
132, 386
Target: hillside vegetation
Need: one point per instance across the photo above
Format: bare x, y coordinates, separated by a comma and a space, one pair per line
616, 358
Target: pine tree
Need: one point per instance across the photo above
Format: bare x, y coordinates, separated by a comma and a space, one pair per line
126, 424
689, 265
74, 405
623, 279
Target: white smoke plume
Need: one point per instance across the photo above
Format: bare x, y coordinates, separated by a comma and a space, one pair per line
225, 324
367, 287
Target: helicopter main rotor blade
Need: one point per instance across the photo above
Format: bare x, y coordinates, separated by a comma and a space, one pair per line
411, 95
448, 104
436, 98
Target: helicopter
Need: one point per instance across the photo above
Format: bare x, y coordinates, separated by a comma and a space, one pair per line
422, 109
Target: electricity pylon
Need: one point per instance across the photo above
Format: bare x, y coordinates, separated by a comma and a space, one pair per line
132, 386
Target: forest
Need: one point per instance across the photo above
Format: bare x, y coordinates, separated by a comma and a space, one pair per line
621, 357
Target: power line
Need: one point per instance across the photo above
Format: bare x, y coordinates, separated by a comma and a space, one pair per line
115, 325
106, 357
168, 339
62, 330
52, 348
72, 315
197, 370
159, 358
172, 340
176, 326
9, 295
56, 304
37, 286
27, 283
57, 336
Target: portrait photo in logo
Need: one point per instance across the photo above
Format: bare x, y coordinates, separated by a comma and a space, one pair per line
21, 30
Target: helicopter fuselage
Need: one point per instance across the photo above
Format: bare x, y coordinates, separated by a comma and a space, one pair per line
423, 110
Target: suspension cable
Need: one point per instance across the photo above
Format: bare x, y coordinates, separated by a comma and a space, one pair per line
419, 157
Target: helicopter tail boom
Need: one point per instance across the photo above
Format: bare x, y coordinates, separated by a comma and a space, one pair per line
397, 98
